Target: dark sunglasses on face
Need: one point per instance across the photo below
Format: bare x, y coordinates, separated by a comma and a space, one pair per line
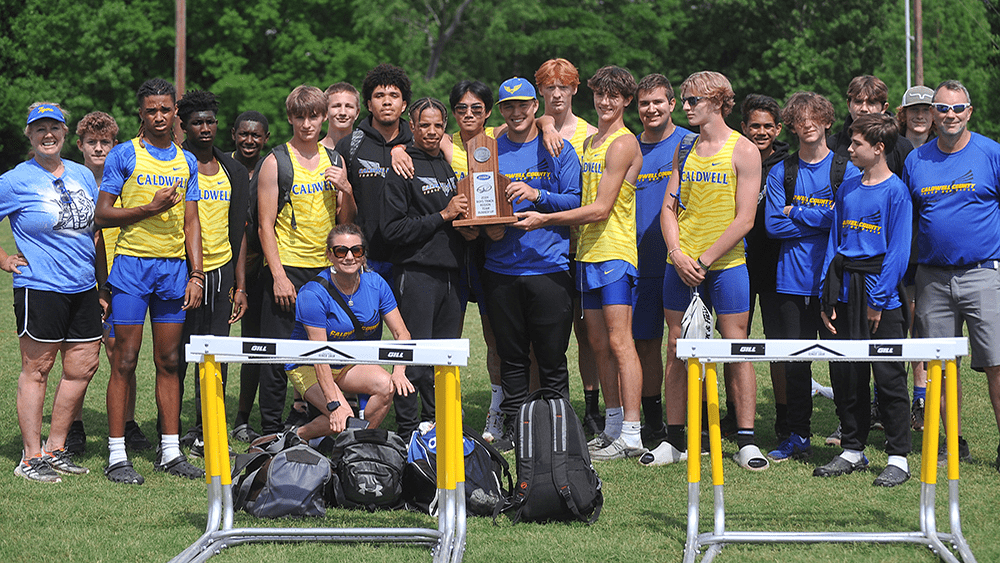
477, 109
692, 101
341, 251
957, 108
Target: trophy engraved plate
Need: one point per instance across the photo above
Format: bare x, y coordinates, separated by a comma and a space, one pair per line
485, 186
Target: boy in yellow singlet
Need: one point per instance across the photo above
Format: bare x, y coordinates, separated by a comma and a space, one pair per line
293, 238
707, 211
607, 259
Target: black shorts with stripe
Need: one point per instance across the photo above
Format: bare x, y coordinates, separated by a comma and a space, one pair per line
49, 316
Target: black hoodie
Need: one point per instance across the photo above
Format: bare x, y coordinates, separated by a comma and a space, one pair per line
411, 218
762, 252
368, 166
839, 142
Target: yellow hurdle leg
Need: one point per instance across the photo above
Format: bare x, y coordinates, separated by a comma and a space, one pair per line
932, 418
448, 397
694, 420
951, 416
714, 431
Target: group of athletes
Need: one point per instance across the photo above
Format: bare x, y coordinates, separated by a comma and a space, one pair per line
856, 236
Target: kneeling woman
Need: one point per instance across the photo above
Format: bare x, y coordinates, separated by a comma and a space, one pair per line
318, 316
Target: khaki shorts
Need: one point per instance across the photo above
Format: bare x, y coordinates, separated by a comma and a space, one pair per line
303, 377
948, 298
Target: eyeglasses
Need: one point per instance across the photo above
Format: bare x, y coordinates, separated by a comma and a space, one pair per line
341, 251
957, 108
477, 109
692, 101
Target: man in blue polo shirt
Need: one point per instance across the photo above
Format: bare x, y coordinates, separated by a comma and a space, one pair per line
526, 277
955, 185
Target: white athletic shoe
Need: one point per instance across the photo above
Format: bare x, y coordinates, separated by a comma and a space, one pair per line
617, 450
819, 389
664, 454
494, 426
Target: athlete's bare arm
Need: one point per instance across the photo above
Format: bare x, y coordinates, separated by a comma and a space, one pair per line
192, 243
267, 214
622, 162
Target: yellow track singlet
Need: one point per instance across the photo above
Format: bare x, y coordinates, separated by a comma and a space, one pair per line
579, 136
613, 238
213, 210
460, 158
162, 235
708, 192
313, 204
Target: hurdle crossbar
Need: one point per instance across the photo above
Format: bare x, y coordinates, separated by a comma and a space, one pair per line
702, 357
447, 541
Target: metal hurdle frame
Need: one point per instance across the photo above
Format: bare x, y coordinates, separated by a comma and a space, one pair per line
706, 353
447, 541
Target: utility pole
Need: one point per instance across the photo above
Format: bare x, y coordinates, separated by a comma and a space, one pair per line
906, 31
180, 57
920, 40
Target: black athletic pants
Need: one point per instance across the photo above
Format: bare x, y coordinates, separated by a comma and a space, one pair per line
428, 302
528, 311
851, 389
211, 318
276, 323
797, 318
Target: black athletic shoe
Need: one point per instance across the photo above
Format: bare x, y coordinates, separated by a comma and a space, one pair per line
653, 436
917, 415
963, 451
296, 417
876, 423
76, 439
727, 425
506, 442
189, 439
135, 440
839, 466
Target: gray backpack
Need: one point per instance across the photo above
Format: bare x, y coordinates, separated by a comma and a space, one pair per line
283, 477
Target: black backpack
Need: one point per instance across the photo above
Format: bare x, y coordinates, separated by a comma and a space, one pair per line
837, 170
486, 473
368, 469
555, 478
281, 476
285, 176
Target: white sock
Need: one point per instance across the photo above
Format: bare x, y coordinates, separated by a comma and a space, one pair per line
900, 462
613, 422
496, 397
630, 434
117, 448
852, 456
169, 450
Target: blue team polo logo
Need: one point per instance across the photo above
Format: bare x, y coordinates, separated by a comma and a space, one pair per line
651, 178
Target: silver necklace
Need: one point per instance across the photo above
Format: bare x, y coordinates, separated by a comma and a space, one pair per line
350, 298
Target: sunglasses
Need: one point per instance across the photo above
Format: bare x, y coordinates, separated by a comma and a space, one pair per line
692, 101
957, 108
477, 109
341, 251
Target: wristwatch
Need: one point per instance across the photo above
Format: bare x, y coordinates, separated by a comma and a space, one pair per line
333, 405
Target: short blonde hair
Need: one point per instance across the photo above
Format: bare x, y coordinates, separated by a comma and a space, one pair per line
714, 86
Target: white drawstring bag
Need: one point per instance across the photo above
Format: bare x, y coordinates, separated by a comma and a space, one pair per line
697, 320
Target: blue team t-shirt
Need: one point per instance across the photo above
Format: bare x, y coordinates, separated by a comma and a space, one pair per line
955, 197
869, 221
314, 307
546, 250
650, 186
804, 233
52, 220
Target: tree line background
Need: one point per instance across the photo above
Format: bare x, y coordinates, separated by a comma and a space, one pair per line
93, 54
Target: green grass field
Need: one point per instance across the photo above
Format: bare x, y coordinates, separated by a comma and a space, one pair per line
89, 519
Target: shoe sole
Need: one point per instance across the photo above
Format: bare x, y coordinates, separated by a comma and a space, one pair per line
797, 456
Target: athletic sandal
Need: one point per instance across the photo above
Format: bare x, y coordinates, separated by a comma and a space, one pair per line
243, 433
891, 476
123, 472
750, 457
180, 467
664, 454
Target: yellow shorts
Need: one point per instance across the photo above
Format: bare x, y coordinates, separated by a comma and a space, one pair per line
304, 376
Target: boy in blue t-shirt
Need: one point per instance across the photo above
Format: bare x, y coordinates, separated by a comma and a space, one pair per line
866, 257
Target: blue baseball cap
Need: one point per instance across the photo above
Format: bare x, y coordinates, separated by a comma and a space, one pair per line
46, 111
516, 89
